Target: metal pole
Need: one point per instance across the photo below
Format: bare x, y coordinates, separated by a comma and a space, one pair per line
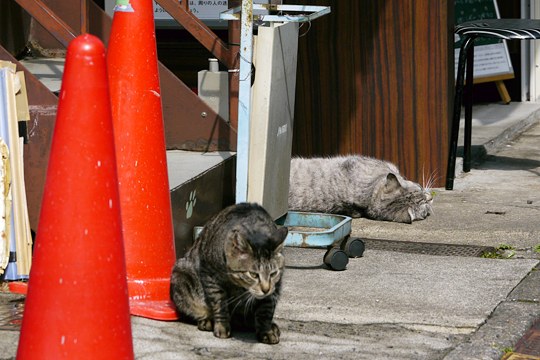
244, 100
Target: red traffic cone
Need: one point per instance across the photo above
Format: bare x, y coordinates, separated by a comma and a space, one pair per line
142, 163
77, 303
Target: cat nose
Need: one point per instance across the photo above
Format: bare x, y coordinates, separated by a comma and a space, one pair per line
426, 210
265, 287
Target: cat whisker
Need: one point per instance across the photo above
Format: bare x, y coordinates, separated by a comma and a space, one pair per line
424, 185
249, 305
432, 178
427, 184
237, 300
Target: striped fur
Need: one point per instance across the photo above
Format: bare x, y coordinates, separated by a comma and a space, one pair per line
357, 186
233, 273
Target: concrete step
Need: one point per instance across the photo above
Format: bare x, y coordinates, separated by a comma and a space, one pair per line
201, 183
48, 70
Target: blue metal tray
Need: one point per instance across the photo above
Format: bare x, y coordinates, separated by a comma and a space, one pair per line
333, 229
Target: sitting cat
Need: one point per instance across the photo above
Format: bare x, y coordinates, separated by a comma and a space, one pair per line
357, 186
233, 272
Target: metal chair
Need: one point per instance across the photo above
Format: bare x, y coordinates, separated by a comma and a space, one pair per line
507, 29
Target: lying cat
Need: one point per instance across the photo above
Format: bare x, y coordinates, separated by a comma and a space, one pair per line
233, 272
357, 186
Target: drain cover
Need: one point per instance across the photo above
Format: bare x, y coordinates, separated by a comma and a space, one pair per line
427, 248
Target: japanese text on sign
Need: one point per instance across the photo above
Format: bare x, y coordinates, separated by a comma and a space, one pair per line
203, 9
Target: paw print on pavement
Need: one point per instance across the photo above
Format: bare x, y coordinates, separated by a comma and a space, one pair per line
190, 204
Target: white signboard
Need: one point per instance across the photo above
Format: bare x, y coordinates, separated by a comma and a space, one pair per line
203, 9
489, 61
491, 56
206, 10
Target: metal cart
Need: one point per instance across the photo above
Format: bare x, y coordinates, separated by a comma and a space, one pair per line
328, 231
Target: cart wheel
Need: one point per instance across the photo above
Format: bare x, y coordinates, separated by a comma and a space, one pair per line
336, 259
353, 247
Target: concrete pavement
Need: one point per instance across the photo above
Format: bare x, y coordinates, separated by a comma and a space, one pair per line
397, 302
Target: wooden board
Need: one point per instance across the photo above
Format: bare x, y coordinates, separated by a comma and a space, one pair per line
9, 133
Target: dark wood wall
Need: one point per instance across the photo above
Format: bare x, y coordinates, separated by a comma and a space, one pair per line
373, 78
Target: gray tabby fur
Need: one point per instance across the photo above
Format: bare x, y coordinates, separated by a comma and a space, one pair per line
357, 186
233, 273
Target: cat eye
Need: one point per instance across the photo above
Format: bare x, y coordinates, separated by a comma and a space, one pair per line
253, 275
274, 273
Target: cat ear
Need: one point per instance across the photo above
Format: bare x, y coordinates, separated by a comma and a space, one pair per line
405, 216
392, 183
280, 234
411, 215
279, 238
238, 244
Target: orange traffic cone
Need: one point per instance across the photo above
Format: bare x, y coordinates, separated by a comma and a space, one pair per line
142, 163
77, 303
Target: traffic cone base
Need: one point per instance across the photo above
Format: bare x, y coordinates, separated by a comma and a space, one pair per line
18, 287
156, 306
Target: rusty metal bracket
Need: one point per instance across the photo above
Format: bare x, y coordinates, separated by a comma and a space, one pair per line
288, 13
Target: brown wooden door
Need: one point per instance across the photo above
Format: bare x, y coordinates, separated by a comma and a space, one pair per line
373, 78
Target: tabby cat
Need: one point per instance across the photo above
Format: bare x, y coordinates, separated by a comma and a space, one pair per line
357, 186
233, 273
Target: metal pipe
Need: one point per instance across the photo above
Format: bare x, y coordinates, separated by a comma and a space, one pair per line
244, 100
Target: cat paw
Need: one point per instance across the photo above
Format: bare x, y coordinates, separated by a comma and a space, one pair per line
222, 330
271, 336
205, 325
